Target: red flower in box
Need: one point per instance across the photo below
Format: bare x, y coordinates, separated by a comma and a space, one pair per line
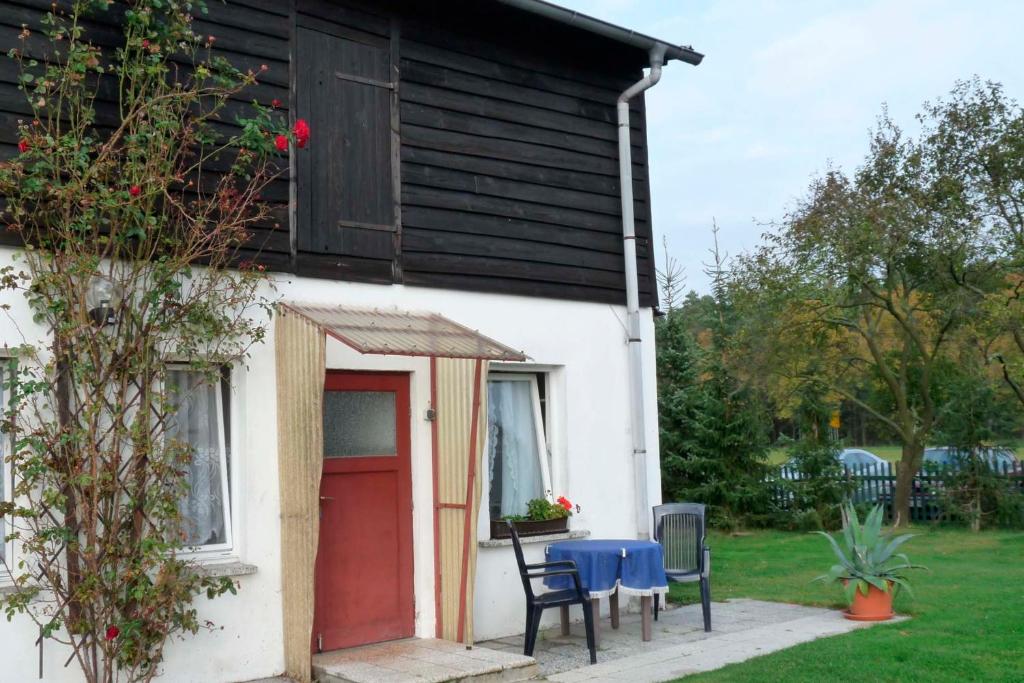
564, 502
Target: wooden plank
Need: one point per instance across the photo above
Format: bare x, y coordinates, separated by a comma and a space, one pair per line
425, 106
464, 244
531, 288
541, 175
108, 36
340, 31
480, 86
511, 269
488, 68
333, 267
553, 49
271, 6
438, 96
429, 218
510, 150
498, 206
454, 179
346, 14
241, 40
269, 21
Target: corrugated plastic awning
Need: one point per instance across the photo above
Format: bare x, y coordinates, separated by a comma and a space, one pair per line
403, 333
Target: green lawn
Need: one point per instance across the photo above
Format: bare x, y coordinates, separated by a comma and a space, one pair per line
968, 611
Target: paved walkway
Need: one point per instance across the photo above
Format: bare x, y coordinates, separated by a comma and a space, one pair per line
742, 629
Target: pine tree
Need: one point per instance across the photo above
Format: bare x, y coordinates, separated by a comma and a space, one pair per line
714, 429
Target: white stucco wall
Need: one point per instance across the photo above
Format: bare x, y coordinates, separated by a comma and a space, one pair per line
582, 346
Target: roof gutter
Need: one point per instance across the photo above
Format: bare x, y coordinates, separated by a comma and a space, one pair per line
638, 422
617, 33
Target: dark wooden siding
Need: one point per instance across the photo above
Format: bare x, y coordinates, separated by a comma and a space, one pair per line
506, 175
510, 158
249, 33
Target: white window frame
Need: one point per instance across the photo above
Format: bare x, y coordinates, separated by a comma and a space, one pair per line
227, 549
540, 426
6, 446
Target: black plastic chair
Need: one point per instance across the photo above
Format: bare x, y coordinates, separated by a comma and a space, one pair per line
681, 528
537, 603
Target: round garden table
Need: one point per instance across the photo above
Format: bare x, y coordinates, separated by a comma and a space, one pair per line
608, 568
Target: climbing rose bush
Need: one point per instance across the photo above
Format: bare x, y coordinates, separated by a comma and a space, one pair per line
140, 170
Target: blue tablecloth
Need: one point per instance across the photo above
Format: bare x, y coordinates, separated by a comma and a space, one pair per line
634, 567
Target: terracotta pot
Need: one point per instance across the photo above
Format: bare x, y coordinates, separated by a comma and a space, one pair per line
875, 606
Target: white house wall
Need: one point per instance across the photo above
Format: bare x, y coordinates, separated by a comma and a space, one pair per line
583, 347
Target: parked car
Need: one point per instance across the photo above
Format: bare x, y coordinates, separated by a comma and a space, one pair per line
858, 457
997, 457
865, 468
850, 457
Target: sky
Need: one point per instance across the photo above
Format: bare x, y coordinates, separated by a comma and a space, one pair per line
788, 88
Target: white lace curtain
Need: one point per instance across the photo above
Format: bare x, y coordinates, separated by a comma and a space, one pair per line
198, 422
513, 450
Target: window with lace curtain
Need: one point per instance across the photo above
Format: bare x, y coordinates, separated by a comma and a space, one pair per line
202, 419
517, 454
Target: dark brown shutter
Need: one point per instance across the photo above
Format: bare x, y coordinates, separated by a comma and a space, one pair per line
345, 194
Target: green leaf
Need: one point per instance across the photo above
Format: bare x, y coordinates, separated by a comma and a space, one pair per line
879, 583
902, 583
886, 552
843, 559
850, 590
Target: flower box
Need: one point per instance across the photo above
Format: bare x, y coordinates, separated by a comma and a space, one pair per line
499, 528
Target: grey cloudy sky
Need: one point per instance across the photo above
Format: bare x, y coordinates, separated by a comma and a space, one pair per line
787, 87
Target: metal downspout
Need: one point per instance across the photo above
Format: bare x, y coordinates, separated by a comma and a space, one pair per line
636, 372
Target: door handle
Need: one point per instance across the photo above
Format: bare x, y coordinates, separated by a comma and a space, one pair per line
326, 498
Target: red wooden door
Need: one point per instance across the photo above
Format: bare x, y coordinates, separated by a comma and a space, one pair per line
364, 581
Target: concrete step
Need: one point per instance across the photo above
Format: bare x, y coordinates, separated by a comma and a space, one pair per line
425, 660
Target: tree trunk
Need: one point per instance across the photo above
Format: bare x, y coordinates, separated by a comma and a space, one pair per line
906, 468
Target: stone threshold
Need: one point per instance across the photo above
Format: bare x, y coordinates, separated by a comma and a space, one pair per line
422, 660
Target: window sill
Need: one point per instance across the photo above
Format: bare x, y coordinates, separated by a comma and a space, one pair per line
526, 540
216, 570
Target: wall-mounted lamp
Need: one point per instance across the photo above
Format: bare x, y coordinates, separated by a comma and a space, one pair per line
104, 299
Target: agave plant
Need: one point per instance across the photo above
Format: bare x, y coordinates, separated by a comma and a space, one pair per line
870, 557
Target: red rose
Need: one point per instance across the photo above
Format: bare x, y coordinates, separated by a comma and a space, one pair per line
564, 502
281, 142
301, 130
23, 146
112, 632
135, 190
275, 103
